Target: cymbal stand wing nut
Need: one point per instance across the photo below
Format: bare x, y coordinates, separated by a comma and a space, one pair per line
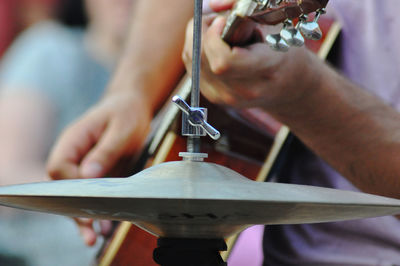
194, 120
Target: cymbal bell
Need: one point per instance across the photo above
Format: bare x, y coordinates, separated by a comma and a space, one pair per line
194, 200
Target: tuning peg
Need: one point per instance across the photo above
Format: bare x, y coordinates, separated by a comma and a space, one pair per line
292, 35
311, 29
276, 42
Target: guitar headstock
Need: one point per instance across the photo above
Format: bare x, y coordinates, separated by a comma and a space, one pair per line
240, 24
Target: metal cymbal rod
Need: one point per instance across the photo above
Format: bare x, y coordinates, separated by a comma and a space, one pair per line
193, 142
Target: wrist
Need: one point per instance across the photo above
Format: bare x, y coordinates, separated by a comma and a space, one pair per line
131, 85
305, 90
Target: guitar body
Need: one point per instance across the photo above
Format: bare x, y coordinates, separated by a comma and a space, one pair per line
249, 148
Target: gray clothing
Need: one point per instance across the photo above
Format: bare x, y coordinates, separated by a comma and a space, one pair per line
52, 60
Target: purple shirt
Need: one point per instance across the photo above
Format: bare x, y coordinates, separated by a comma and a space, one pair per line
370, 56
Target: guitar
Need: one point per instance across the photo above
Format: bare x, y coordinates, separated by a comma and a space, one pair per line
239, 147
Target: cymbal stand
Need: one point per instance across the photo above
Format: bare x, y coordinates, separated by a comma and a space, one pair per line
192, 252
189, 252
194, 118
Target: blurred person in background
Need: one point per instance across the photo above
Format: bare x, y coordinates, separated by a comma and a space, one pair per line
17, 15
50, 75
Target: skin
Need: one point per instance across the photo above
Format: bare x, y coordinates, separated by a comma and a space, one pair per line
106, 139
21, 113
107, 28
354, 131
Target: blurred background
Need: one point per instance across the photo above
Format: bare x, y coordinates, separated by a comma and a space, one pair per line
17, 15
56, 57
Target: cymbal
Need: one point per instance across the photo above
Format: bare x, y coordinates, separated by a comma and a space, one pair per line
194, 200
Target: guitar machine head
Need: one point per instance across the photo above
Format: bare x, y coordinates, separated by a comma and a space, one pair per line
272, 12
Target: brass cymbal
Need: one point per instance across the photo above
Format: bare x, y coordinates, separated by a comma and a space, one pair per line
195, 200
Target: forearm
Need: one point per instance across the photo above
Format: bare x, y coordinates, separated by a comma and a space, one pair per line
151, 62
351, 129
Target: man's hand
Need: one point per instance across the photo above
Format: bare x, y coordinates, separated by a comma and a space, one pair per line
102, 142
108, 134
253, 76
